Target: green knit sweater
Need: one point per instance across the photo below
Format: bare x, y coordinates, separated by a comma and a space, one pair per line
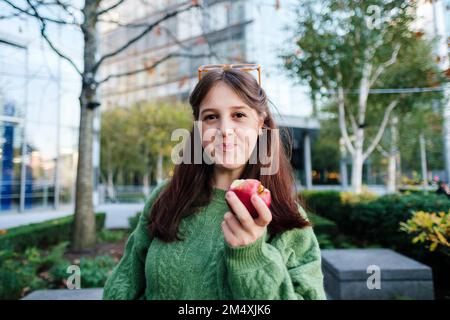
204, 266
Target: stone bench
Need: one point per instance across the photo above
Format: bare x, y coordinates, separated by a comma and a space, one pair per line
66, 294
352, 274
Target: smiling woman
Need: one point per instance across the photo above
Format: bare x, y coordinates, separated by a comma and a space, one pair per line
195, 240
229, 130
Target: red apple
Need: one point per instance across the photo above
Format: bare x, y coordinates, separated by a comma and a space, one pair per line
245, 188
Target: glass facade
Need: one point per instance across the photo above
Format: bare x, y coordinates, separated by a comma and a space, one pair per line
12, 105
38, 101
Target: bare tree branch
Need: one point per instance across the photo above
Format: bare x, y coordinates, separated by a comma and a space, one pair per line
12, 15
103, 11
33, 11
153, 66
386, 64
364, 87
190, 5
49, 42
367, 78
382, 151
125, 25
66, 7
380, 132
342, 125
353, 122
371, 50
145, 25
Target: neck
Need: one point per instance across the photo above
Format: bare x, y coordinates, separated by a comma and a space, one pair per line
224, 177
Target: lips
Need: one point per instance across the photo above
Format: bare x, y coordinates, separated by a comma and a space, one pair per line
228, 146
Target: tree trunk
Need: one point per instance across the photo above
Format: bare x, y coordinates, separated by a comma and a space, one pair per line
110, 188
358, 161
84, 236
392, 171
146, 183
84, 227
357, 169
423, 161
392, 159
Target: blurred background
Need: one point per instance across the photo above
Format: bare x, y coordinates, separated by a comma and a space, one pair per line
90, 93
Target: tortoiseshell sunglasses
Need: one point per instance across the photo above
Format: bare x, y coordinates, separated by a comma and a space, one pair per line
243, 67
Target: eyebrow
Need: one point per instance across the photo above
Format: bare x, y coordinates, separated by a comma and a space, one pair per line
233, 107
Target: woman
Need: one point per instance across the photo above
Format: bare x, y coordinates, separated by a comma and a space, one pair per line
195, 240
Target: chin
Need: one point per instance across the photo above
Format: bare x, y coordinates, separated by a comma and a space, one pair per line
230, 166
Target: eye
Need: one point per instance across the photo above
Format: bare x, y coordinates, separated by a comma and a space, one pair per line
240, 114
209, 117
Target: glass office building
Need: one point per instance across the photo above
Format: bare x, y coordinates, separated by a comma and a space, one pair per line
39, 115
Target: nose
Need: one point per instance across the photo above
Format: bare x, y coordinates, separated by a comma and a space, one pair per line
226, 128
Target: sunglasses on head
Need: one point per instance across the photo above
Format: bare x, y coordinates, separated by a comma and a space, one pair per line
243, 67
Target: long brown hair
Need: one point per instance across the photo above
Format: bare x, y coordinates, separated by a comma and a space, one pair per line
191, 187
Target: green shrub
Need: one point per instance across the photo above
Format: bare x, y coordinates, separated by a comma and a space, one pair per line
20, 273
373, 219
323, 225
42, 234
93, 271
130, 198
46, 269
324, 203
332, 204
325, 241
429, 229
379, 220
111, 236
13, 276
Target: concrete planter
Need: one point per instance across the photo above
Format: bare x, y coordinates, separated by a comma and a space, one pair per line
367, 274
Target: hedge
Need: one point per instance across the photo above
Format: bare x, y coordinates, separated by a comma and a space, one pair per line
43, 234
378, 221
323, 225
323, 203
374, 220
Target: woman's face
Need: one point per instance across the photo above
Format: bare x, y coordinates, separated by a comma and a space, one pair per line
229, 127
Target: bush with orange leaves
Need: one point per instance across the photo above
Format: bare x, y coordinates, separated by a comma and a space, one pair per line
429, 228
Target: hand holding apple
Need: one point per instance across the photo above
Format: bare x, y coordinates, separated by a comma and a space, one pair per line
245, 188
240, 228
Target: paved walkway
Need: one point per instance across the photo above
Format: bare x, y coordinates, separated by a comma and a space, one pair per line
116, 215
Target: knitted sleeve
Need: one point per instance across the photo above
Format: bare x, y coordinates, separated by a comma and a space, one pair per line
127, 279
287, 268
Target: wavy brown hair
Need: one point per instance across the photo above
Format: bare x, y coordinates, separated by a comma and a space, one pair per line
191, 186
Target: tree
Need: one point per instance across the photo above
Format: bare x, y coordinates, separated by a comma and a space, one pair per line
115, 151
86, 20
149, 125
342, 50
415, 68
152, 125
